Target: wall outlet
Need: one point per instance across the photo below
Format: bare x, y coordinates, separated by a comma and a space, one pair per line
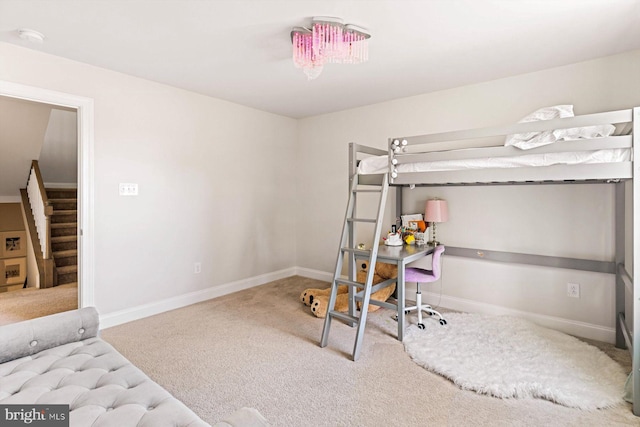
573, 290
197, 268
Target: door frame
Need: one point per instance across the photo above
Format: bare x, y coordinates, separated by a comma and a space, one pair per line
85, 123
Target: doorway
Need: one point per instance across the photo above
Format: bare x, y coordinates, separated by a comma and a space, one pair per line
84, 110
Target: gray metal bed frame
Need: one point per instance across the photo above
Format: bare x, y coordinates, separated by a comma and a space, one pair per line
618, 174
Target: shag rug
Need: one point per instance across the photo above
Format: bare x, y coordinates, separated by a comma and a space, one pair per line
508, 357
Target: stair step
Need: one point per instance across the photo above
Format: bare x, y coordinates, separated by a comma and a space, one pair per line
64, 204
63, 219
64, 279
65, 211
64, 246
67, 269
64, 200
65, 261
62, 239
64, 243
344, 317
61, 193
65, 225
59, 229
65, 253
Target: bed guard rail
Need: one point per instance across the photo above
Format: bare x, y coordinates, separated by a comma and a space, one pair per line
399, 147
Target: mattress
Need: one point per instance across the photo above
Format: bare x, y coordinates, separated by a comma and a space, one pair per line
380, 164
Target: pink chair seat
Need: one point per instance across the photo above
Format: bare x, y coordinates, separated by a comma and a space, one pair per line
421, 275
414, 274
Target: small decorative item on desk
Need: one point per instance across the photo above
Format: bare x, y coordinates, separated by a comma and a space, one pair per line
393, 239
420, 226
420, 238
361, 246
409, 239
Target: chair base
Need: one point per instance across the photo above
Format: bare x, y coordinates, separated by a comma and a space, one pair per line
419, 307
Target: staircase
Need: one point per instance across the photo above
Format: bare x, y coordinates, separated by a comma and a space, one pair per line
64, 233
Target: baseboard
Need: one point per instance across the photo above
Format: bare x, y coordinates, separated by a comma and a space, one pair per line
571, 327
314, 274
135, 313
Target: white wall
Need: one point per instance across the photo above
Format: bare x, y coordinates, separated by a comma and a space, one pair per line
59, 156
22, 128
572, 221
213, 186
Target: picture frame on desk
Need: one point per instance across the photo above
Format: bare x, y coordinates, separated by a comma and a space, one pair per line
13, 244
13, 271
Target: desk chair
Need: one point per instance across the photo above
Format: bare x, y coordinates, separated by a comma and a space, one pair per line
420, 275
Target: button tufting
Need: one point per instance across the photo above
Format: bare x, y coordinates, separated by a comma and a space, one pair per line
33, 343
81, 331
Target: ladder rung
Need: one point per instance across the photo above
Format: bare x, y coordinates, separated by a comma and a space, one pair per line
364, 252
344, 317
361, 220
350, 283
367, 191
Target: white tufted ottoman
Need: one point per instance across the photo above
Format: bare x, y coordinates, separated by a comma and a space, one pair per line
59, 359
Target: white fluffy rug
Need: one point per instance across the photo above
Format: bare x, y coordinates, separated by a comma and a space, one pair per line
509, 357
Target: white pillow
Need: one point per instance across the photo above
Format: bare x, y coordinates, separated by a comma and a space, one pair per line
586, 132
527, 141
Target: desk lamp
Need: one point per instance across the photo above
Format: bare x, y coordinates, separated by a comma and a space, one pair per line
436, 211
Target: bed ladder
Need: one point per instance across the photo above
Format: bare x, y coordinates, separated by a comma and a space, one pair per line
362, 290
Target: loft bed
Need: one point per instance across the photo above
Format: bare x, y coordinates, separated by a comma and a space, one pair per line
480, 157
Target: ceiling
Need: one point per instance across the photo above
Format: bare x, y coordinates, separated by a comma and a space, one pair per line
240, 50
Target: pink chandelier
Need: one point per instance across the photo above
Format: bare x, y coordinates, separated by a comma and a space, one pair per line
328, 41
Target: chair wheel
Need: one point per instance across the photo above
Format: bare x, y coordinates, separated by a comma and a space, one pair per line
420, 325
395, 317
407, 311
443, 322
429, 313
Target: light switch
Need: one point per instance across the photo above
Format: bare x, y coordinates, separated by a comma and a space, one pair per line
128, 189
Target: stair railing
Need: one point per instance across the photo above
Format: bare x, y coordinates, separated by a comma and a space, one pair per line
41, 208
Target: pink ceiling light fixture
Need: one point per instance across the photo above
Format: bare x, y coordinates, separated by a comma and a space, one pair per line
328, 41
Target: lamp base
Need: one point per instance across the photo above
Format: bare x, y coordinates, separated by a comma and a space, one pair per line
433, 243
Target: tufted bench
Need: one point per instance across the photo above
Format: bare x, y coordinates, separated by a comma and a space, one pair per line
59, 359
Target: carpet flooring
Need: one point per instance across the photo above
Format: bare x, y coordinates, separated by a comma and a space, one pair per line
25, 304
259, 348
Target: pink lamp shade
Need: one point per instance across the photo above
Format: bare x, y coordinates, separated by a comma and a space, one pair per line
436, 210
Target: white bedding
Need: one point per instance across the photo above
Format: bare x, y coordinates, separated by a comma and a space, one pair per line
380, 164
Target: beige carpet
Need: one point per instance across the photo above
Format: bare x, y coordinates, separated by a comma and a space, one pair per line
259, 348
24, 304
